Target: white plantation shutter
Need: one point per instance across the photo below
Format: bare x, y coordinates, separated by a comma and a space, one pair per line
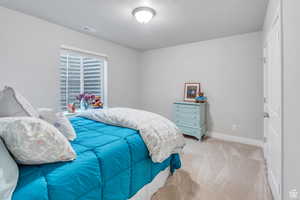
74, 76
80, 74
63, 81
92, 76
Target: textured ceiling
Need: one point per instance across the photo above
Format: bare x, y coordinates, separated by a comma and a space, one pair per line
176, 21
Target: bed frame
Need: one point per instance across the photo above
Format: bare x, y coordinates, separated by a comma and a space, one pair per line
148, 190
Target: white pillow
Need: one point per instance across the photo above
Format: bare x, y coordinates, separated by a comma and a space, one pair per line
13, 104
34, 141
59, 120
9, 173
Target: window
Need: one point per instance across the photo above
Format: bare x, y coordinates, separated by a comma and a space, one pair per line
80, 73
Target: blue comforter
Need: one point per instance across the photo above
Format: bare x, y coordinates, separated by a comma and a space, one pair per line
112, 163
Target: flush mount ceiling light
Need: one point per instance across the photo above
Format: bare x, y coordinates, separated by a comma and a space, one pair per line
143, 14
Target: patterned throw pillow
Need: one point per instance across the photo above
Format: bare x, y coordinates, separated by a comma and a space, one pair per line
13, 104
59, 120
9, 173
34, 141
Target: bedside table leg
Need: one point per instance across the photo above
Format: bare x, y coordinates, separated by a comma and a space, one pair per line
202, 138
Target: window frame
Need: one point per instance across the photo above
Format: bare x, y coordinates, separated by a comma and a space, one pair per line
73, 51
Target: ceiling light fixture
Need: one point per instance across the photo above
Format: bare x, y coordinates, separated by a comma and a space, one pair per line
143, 14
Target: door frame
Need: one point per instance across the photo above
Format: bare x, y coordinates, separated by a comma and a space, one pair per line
265, 99
277, 192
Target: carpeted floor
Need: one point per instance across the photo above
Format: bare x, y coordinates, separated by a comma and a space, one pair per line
218, 170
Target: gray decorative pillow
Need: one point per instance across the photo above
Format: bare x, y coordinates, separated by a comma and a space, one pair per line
34, 141
9, 173
13, 104
59, 120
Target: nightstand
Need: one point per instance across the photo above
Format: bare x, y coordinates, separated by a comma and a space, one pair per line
68, 114
77, 112
191, 118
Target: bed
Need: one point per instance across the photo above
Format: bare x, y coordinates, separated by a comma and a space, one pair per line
112, 163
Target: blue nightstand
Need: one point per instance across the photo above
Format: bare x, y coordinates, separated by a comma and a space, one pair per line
191, 118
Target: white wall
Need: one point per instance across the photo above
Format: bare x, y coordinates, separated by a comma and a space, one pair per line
231, 75
229, 70
29, 60
291, 97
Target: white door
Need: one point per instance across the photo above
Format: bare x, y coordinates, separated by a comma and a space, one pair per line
273, 100
266, 111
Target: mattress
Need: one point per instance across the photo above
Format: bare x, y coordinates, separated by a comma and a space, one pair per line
112, 163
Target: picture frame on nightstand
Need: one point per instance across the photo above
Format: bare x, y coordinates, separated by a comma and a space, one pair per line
191, 91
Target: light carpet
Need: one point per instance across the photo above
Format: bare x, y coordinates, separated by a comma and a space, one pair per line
218, 170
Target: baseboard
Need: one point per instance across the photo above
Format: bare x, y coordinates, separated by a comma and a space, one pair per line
231, 138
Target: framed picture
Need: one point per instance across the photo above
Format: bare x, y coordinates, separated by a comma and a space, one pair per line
191, 91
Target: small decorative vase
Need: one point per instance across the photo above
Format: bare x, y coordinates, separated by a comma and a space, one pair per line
84, 104
201, 99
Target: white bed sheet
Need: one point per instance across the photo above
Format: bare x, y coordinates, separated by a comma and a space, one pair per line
148, 190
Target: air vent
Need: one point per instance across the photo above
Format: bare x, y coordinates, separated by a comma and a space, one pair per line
89, 29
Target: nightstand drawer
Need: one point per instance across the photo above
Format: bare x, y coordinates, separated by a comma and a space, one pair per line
187, 110
187, 116
184, 107
188, 123
196, 132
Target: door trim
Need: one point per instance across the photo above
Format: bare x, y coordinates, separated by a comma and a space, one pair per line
276, 187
